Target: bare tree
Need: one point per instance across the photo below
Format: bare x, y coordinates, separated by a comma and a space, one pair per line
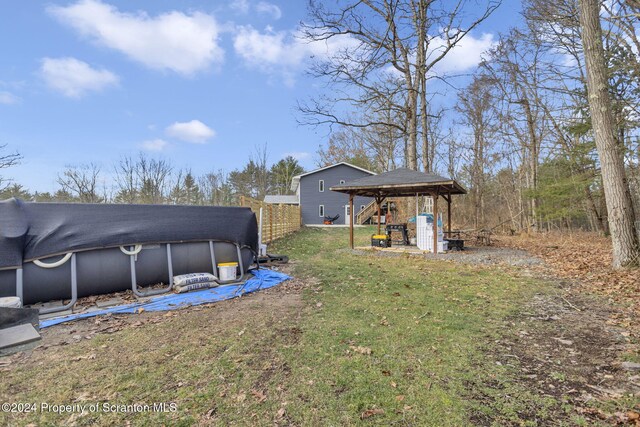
82, 182
126, 180
6, 161
626, 249
391, 48
216, 189
185, 190
153, 178
476, 106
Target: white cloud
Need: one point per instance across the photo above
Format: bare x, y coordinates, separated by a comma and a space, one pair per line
269, 9
466, 55
241, 6
194, 131
283, 52
75, 78
154, 145
184, 43
8, 98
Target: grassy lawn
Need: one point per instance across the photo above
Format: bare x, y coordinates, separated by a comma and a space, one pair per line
371, 341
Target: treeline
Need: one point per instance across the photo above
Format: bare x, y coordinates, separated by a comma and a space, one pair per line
519, 135
148, 180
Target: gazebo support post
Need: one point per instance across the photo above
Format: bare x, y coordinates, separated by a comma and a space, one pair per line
379, 202
351, 220
435, 223
449, 215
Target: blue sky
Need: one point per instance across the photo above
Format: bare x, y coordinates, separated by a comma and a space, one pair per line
200, 83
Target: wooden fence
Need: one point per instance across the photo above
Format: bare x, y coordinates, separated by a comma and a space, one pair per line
277, 220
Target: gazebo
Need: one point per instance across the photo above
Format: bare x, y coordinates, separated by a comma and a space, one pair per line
402, 182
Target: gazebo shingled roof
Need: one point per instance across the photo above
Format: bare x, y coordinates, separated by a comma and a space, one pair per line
400, 182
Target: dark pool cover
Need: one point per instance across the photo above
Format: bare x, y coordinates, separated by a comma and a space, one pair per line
31, 231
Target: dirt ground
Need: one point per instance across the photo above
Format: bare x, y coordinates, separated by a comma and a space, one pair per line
282, 299
569, 346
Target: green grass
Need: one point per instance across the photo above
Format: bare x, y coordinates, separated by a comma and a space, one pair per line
427, 325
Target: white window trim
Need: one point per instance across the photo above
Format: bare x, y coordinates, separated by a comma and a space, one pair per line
321, 186
361, 208
342, 181
321, 211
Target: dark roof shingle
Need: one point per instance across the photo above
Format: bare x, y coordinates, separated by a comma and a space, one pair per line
401, 181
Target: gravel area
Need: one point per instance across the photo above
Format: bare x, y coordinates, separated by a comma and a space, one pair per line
483, 255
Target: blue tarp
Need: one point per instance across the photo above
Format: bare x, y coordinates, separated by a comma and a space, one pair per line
263, 279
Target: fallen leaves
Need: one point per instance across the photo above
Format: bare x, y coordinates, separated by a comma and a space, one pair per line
259, 395
371, 412
585, 259
362, 350
91, 356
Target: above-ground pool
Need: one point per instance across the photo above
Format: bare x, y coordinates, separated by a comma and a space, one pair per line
48, 249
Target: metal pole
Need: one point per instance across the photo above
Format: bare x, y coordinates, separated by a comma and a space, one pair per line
19, 285
379, 202
351, 220
74, 290
134, 280
449, 215
240, 263
435, 223
213, 259
260, 230
170, 265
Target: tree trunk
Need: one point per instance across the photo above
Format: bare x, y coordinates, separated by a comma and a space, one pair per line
626, 250
599, 222
533, 162
412, 125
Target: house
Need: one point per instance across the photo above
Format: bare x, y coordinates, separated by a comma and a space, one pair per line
315, 198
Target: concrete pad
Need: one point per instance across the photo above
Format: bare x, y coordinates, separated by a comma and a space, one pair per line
109, 302
45, 305
56, 314
17, 335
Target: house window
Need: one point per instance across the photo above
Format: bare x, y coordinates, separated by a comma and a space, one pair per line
341, 181
321, 210
361, 207
321, 186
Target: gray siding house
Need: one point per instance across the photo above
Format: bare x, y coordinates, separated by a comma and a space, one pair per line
317, 200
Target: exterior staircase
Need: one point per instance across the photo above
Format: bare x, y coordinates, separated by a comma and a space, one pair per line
365, 214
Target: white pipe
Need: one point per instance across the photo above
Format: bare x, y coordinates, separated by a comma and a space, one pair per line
53, 264
136, 250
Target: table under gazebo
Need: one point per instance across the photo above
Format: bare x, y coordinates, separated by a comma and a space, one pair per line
402, 182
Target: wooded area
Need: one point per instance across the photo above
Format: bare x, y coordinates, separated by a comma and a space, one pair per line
520, 135
544, 134
148, 180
